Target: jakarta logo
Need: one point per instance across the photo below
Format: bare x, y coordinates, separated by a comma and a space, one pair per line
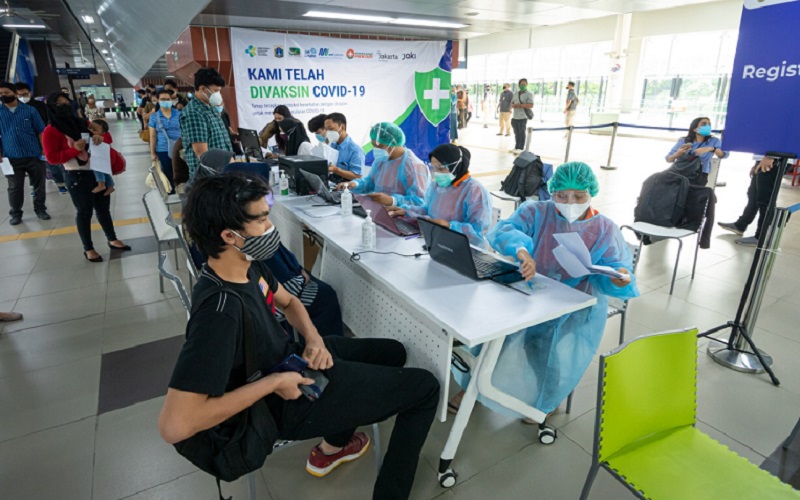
433, 94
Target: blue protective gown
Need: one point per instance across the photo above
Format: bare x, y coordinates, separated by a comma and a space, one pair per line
468, 207
542, 364
405, 179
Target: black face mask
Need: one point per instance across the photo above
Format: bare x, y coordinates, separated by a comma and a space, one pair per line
8, 99
63, 110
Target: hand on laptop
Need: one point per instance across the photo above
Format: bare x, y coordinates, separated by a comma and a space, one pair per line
527, 265
396, 211
383, 199
341, 185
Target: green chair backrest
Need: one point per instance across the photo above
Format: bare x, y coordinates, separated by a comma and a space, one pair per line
648, 385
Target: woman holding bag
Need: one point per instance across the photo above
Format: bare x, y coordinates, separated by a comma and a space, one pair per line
698, 143
165, 129
65, 142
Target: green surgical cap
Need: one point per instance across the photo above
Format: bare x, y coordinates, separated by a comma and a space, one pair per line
574, 175
388, 134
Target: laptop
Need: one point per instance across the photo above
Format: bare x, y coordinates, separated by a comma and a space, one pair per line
452, 249
319, 187
250, 144
400, 227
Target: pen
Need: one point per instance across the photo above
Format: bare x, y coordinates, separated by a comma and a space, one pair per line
412, 236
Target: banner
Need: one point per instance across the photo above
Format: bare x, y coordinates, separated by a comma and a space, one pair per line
764, 102
369, 81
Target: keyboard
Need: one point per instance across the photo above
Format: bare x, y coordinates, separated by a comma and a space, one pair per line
359, 210
405, 228
487, 266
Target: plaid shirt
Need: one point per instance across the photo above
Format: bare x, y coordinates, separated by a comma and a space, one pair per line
201, 123
20, 131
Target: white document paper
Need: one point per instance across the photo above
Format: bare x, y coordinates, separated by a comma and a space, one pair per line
319, 212
575, 258
322, 150
101, 157
5, 165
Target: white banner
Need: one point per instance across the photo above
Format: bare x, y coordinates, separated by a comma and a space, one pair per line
367, 80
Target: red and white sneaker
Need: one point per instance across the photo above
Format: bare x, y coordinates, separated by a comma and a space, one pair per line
320, 464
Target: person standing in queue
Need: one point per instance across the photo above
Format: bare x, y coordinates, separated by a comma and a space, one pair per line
351, 156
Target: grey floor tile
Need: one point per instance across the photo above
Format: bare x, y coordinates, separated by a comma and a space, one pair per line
131, 457
23, 247
65, 278
50, 345
200, 485
138, 325
11, 286
135, 231
781, 318
133, 267
70, 243
60, 258
700, 291
58, 307
661, 312
137, 291
49, 397
55, 463
19, 264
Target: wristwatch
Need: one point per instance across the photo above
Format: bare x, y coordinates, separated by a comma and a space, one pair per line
714, 150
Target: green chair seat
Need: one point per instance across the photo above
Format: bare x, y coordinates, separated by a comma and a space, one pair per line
686, 464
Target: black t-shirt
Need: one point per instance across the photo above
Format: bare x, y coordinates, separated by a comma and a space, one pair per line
212, 358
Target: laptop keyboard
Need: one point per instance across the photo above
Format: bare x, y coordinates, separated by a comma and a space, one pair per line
487, 268
405, 228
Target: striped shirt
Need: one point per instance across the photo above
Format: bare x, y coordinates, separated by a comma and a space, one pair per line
20, 131
200, 123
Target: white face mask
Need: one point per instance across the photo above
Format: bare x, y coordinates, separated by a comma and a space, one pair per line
573, 211
24, 100
333, 136
214, 98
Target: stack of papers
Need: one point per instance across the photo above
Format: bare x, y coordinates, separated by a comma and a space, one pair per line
575, 258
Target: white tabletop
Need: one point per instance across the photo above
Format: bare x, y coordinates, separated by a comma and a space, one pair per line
473, 311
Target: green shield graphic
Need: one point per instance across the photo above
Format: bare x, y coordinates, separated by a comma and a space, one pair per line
433, 94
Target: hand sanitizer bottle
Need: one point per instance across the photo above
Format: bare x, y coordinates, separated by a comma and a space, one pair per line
368, 233
347, 202
284, 184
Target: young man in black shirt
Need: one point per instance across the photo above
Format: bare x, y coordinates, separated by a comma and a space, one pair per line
227, 217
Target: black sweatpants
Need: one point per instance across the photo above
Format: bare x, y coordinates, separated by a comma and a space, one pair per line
34, 169
368, 384
759, 194
518, 124
80, 184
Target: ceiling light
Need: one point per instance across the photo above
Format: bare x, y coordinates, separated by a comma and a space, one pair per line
25, 26
348, 17
104, 51
427, 24
98, 40
88, 19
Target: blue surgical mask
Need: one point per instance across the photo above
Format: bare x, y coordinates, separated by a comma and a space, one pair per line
443, 180
705, 130
165, 104
380, 154
320, 137
219, 109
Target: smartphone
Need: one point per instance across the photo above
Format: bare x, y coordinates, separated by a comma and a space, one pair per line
314, 391
292, 363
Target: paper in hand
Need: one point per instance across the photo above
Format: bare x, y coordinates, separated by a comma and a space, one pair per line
6, 167
100, 157
575, 258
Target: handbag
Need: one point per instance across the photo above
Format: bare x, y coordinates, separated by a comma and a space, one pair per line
528, 112
170, 142
144, 135
150, 182
239, 445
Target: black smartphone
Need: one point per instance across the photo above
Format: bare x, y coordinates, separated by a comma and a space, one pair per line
314, 391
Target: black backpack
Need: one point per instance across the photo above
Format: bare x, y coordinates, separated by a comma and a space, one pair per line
662, 200
525, 177
697, 200
239, 445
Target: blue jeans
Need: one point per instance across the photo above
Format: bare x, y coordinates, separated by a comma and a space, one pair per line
101, 177
166, 167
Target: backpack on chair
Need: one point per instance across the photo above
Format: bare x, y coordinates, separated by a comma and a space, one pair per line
662, 200
525, 177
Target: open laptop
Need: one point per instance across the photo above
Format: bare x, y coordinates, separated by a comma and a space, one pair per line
250, 144
319, 187
453, 250
400, 227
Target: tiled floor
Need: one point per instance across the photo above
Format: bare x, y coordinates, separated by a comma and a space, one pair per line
66, 434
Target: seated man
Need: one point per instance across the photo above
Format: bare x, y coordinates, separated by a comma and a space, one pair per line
351, 156
227, 216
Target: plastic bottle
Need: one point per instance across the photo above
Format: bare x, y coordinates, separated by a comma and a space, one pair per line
368, 233
347, 202
284, 184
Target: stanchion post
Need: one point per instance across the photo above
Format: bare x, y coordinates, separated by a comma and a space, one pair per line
528, 139
569, 143
608, 165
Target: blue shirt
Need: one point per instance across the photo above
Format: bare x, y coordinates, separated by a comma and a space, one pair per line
351, 156
172, 126
20, 131
705, 158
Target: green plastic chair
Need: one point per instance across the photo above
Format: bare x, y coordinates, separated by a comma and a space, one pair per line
645, 433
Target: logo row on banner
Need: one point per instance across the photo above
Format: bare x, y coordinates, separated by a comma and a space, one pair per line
279, 51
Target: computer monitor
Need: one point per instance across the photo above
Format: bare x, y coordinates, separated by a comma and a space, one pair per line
311, 164
250, 144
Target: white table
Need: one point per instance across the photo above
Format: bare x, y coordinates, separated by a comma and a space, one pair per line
424, 305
